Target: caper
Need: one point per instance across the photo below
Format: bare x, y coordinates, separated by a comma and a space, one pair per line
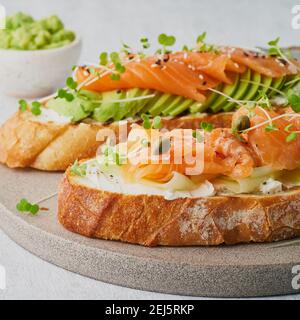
242, 123
163, 146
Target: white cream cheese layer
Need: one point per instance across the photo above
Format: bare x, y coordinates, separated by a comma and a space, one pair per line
49, 115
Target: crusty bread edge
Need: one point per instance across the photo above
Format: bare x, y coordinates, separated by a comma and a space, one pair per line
50, 146
151, 220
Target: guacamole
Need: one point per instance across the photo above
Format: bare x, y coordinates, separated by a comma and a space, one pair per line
24, 33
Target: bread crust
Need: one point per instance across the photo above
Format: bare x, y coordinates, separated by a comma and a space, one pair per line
50, 146
151, 220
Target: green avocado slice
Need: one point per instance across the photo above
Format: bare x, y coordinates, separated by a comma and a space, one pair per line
108, 109
211, 99
229, 90
160, 104
254, 87
181, 107
240, 92
77, 109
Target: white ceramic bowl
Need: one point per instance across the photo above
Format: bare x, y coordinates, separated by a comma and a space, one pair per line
36, 73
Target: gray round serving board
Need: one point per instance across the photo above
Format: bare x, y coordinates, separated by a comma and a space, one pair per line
224, 271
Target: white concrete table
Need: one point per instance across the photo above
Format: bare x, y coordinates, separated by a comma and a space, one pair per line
103, 24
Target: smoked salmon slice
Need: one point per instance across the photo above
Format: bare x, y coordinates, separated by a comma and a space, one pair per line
271, 147
189, 74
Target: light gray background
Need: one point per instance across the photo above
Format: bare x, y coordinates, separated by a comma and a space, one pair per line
103, 24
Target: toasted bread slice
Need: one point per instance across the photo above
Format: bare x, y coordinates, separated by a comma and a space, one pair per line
152, 220
50, 146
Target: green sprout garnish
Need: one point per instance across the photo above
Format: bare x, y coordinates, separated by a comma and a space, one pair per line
22, 105
157, 124
271, 127
74, 67
146, 121
201, 37
145, 43
294, 100
78, 169
185, 48
63, 94
115, 76
197, 135
103, 58
36, 108
165, 41
292, 136
25, 206
71, 83
288, 127
206, 126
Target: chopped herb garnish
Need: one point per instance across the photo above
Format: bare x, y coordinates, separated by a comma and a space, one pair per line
145, 43
146, 121
201, 37
157, 124
206, 126
119, 67
25, 206
78, 169
74, 67
197, 135
103, 58
63, 94
274, 50
36, 108
115, 76
22, 105
292, 136
288, 127
294, 100
165, 41
71, 83
115, 58
271, 127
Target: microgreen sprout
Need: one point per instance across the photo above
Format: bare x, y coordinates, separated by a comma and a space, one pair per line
271, 127
64, 94
103, 58
78, 169
157, 124
165, 41
36, 108
145, 43
25, 206
294, 100
197, 135
206, 126
146, 121
71, 83
22, 105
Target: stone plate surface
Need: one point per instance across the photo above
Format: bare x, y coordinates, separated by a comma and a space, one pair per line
224, 271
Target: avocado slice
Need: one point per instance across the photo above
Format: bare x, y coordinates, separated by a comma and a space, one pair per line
108, 109
161, 103
254, 87
229, 90
125, 108
141, 104
264, 87
181, 107
213, 96
195, 107
276, 84
77, 109
240, 92
174, 104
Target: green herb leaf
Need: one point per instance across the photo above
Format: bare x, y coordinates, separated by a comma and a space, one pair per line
294, 100
25, 206
22, 105
197, 135
71, 83
166, 40
206, 126
146, 121
114, 56
271, 127
36, 108
288, 127
103, 58
201, 37
115, 76
119, 67
274, 42
78, 169
157, 124
292, 136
